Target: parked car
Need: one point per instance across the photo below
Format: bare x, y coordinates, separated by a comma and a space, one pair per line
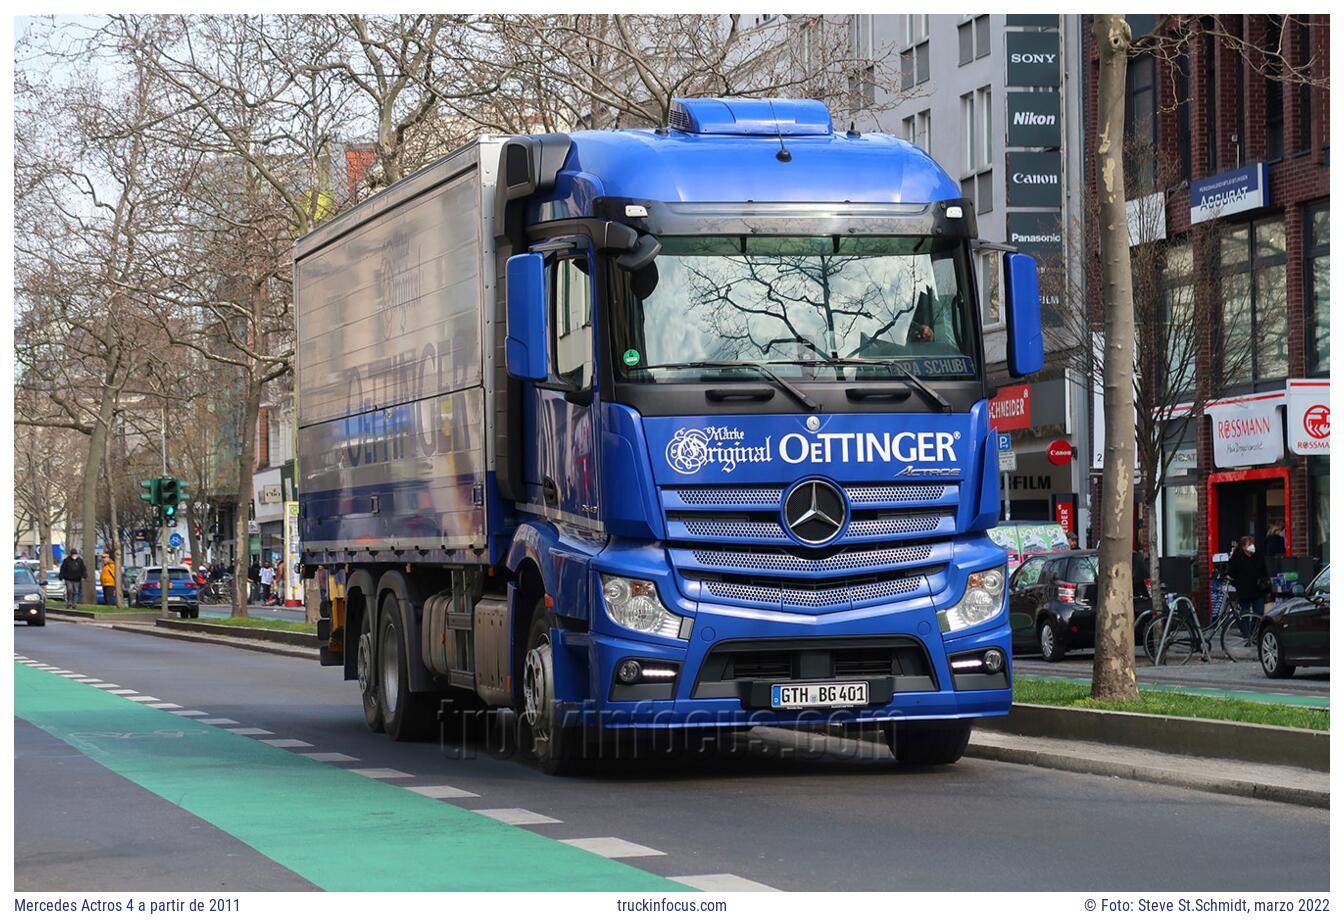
129, 575
1052, 600
55, 587
1028, 538
183, 594
1296, 633
30, 602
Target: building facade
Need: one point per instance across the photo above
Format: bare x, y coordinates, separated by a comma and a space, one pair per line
1239, 166
996, 100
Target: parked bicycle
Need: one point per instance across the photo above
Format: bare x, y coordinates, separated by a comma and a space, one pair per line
219, 591
1175, 637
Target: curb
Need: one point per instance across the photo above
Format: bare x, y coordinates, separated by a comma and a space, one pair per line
1266, 744
1074, 763
148, 616
303, 640
251, 645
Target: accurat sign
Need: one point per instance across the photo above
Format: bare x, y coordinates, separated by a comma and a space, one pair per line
1231, 192
1247, 433
1034, 179
1033, 58
1033, 120
1010, 410
1309, 416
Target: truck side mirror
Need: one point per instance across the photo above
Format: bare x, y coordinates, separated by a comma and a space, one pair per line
525, 346
1026, 346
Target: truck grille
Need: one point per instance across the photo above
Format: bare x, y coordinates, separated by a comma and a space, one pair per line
729, 546
899, 658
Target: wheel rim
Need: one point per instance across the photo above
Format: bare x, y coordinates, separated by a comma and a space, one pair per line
390, 659
1047, 640
536, 690
1269, 651
364, 662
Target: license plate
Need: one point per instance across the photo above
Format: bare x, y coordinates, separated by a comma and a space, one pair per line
805, 696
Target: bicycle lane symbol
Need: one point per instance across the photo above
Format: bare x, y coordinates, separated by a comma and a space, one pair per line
100, 740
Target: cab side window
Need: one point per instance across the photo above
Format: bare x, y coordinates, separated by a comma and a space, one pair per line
572, 322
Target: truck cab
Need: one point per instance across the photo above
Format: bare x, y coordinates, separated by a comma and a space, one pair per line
742, 468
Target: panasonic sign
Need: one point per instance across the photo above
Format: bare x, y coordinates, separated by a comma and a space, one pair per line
1033, 120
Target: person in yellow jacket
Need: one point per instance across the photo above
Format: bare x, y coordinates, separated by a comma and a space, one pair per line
107, 578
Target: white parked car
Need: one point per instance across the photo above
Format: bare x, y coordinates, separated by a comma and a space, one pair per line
55, 587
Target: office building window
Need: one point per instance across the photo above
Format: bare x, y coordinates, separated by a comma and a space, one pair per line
1209, 93
982, 36
1180, 511
863, 78
970, 141
1183, 135
1273, 89
1141, 123
917, 128
972, 39
1302, 62
915, 57
1254, 303
977, 121
1318, 288
1178, 319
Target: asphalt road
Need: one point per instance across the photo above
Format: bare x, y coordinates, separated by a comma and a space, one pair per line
846, 819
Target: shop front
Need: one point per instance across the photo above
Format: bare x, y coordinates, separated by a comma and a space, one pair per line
1040, 479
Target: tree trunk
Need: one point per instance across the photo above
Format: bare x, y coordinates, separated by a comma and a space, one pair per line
246, 459
193, 542
115, 536
88, 506
1113, 665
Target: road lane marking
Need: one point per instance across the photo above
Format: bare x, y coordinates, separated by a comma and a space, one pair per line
76, 676
91, 680
377, 837
381, 773
191, 713
163, 706
217, 721
721, 882
143, 699
105, 686
516, 816
330, 757
612, 847
441, 792
285, 742
249, 731
123, 692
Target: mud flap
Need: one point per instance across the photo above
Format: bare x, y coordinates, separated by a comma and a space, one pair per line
569, 660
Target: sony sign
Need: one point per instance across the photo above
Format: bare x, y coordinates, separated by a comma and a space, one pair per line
1034, 179
1033, 120
1033, 58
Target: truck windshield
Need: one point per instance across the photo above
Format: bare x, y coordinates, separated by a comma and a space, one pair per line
825, 307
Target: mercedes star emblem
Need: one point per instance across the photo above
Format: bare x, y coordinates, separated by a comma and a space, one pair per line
814, 512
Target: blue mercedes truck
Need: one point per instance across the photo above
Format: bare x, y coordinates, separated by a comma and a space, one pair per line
681, 428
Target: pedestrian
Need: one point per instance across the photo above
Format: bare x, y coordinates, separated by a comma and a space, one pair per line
1250, 578
1073, 539
1276, 544
107, 578
72, 573
253, 579
267, 576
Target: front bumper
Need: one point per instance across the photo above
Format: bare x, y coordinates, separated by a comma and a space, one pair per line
26, 609
698, 697
175, 601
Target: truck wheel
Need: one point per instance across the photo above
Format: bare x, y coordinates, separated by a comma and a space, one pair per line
407, 716
367, 672
923, 744
559, 751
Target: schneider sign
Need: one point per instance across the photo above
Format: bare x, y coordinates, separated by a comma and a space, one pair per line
1244, 189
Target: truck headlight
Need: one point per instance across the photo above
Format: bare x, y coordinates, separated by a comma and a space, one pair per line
634, 604
983, 599
32, 597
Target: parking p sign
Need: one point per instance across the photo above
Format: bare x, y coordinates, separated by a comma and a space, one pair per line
1005, 441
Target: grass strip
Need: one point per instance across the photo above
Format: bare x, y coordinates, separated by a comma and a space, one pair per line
1050, 692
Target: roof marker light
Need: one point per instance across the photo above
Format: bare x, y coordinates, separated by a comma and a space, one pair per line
636, 210
954, 212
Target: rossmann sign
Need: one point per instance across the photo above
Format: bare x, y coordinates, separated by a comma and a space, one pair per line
1247, 431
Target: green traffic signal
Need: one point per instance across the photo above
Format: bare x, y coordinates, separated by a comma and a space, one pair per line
169, 498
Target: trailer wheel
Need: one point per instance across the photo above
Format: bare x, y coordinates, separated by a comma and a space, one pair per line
923, 744
407, 716
367, 672
559, 750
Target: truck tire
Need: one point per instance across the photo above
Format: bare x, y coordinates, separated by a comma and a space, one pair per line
366, 671
559, 751
407, 716
924, 744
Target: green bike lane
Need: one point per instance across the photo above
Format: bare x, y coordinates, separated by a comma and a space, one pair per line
339, 830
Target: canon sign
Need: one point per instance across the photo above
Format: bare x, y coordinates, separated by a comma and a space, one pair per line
1034, 179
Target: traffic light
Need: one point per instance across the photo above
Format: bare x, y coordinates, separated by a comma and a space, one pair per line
169, 499
149, 491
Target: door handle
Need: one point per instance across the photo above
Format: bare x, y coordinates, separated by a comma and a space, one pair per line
548, 490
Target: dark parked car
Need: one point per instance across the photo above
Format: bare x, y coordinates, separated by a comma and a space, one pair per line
1296, 633
130, 574
30, 601
1051, 602
183, 593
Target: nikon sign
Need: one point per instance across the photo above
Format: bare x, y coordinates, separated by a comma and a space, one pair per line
1034, 179
1033, 58
1033, 120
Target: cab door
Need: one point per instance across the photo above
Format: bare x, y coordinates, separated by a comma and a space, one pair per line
560, 468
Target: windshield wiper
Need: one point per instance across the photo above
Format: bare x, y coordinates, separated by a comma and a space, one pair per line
891, 364
759, 368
